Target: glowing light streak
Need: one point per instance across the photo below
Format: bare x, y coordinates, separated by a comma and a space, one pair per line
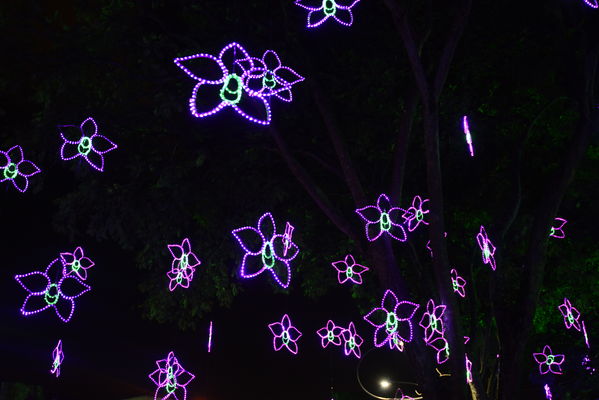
468, 135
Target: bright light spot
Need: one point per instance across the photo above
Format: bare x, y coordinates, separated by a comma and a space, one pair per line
385, 384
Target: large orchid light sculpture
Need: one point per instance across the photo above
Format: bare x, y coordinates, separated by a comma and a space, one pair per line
392, 319
57, 358
51, 289
571, 315
352, 341
458, 283
383, 219
171, 379
415, 214
486, 247
221, 84
549, 362
558, 230
183, 265
285, 335
265, 250
349, 270
76, 263
85, 142
14, 168
321, 10
330, 334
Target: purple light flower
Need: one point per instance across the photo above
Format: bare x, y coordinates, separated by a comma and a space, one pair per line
432, 321
392, 319
171, 379
352, 341
16, 169
268, 77
84, 141
348, 270
415, 214
441, 346
220, 86
549, 362
57, 358
458, 283
330, 334
468, 369
183, 266
571, 315
487, 248
321, 10
76, 263
395, 343
51, 289
383, 218
285, 334
557, 231
265, 251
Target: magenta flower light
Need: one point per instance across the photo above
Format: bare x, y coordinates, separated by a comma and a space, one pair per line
57, 358
267, 77
415, 214
392, 319
592, 3
549, 362
487, 248
183, 266
85, 142
321, 10
383, 218
548, 395
440, 345
285, 335
395, 343
51, 289
432, 321
458, 283
265, 251
349, 270
171, 379
557, 231
468, 135
352, 341
571, 315
16, 169
330, 334
76, 263
468, 369
219, 86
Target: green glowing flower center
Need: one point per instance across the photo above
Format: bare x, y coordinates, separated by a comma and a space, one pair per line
447, 351
552, 232
179, 278
570, 318
419, 215
391, 323
76, 265
232, 89
329, 7
330, 336
51, 294
486, 252
433, 323
10, 171
385, 221
285, 337
184, 261
454, 282
351, 343
550, 359
85, 145
268, 258
349, 272
269, 80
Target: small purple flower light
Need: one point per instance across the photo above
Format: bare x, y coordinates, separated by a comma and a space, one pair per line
16, 169
76, 263
487, 248
330, 334
57, 358
352, 341
392, 319
571, 315
441, 346
549, 362
321, 10
348, 270
285, 335
432, 321
557, 231
415, 214
183, 266
171, 379
84, 141
458, 283
383, 218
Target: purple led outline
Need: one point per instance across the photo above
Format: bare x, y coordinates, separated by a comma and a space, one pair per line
415, 213
78, 142
349, 270
16, 169
330, 334
586, 337
352, 341
318, 15
571, 315
268, 255
592, 3
285, 335
486, 247
557, 231
548, 361
287, 237
57, 359
237, 49
458, 283
50, 293
440, 345
468, 369
391, 312
210, 338
76, 263
468, 135
548, 395
183, 265
466, 339
258, 72
432, 321
171, 379
380, 219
